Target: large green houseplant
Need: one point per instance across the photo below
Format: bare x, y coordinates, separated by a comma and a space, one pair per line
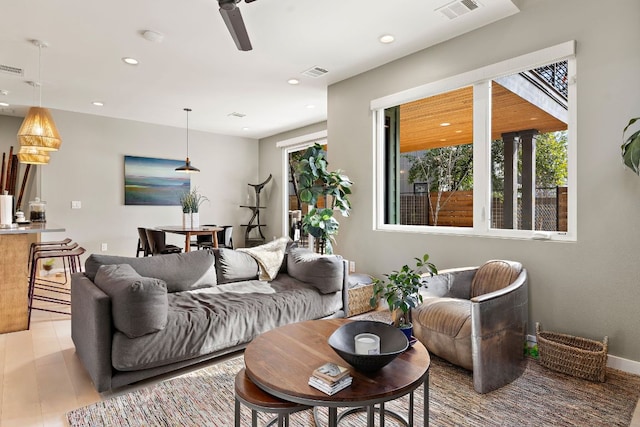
400, 291
315, 181
631, 148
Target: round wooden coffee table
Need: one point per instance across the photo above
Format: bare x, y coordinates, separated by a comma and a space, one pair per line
281, 361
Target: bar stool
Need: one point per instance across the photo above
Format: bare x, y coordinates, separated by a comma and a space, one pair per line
60, 245
70, 255
258, 400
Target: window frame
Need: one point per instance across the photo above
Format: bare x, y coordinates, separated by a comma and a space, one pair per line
481, 79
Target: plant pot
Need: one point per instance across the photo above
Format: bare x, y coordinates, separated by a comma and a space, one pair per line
407, 330
186, 220
195, 219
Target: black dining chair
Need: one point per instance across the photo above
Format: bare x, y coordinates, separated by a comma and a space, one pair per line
225, 238
203, 238
143, 243
158, 243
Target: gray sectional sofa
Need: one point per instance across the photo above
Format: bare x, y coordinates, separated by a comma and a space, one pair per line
135, 318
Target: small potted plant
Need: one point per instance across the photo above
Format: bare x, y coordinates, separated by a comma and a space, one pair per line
400, 291
197, 200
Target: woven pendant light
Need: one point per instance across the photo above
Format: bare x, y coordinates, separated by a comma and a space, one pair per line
33, 156
38, 130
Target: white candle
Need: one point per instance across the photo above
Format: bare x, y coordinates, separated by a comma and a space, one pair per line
367, 344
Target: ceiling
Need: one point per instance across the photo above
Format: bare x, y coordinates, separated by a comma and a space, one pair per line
197, 64
447, 119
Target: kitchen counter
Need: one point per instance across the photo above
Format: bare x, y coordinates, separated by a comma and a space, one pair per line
14, 284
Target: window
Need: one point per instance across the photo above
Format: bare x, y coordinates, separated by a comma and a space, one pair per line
490, 152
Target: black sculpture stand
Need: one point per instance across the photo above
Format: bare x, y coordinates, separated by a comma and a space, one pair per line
254, 222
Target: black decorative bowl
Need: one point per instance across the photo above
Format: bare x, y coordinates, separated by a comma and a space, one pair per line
392, 343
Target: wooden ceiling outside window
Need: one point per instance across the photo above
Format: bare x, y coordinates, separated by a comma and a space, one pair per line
421, 121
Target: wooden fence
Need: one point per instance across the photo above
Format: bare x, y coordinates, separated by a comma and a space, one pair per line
456, 209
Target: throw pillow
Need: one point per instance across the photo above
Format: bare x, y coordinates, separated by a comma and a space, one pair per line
234, 266
139, 305
182, 272
324, 272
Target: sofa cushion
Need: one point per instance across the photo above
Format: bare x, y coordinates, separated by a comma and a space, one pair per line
139, 305
494, 275
443, 325
234, 266
181, 272
325, 272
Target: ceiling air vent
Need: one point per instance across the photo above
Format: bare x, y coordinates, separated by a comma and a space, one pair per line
458, 8
14, 71
315, 72
236, 114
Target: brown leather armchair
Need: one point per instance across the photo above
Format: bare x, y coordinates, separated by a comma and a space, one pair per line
476, 318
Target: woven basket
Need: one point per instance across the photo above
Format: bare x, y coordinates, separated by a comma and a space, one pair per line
359, 299
580, 357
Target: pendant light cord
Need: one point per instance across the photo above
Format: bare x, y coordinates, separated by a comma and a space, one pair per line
40, 74
187, 110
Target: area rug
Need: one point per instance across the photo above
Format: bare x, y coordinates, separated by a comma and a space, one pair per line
539, 398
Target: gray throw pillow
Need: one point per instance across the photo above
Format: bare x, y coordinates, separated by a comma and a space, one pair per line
139, 305
182, 272
324, 272
234, 266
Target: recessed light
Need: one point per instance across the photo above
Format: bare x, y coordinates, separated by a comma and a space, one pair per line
153, 36
4, 104
386, 39
293, 81
445, 124
245, 129
130, 61
98, 103
310, 106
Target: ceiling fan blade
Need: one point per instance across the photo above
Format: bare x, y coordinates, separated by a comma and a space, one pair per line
233, 20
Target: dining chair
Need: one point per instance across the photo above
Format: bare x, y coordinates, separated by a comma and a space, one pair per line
143, 242
158, 243
225, 238
204, 240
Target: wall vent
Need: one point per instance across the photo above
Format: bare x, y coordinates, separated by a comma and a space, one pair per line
235, 114
458, 8
14, 71
315, 72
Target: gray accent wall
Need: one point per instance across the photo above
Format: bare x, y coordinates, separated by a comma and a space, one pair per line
590, 287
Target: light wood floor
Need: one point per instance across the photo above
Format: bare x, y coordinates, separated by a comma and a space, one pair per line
41, 377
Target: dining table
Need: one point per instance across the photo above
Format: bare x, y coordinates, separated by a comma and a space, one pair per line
192, 231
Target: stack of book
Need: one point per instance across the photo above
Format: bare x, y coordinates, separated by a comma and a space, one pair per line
330, 378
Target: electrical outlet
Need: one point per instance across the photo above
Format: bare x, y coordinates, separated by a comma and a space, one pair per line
76, 204
352, 266
103, 247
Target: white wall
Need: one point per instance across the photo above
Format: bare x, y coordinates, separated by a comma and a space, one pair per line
90, 168
588, 288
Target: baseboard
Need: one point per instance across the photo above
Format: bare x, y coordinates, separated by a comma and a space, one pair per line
615, 362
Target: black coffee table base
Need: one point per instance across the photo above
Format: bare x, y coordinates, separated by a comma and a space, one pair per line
335, 417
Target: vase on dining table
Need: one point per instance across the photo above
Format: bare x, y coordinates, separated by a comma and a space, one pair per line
186, 220
195, 219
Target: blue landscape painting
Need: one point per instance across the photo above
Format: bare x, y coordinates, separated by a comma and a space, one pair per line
150, 181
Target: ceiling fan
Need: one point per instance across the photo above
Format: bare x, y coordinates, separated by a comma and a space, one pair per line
233, 19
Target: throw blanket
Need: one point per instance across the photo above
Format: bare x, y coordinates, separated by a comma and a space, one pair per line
269, 256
